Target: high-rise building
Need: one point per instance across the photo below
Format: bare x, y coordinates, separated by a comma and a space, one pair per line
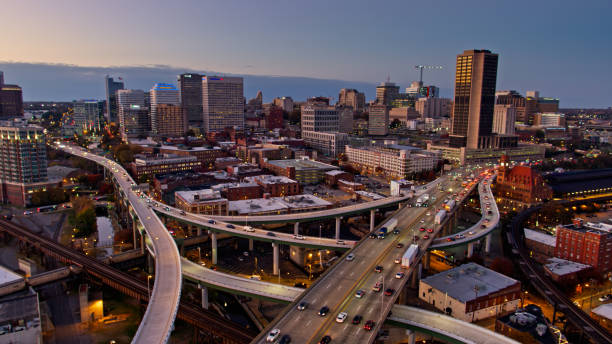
162, 94
88, 115
171, 120
475, 80
23, 161
222, 103
586, 243
112, 87
513, 98
134, 117
504, 116
274, 117
190, 88
345, 119
378, 119
552, 119
285, 103
319, 118
534, 104
11, 100
352, 98
386, 92
433, 107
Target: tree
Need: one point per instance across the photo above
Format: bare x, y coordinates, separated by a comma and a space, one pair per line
83, 216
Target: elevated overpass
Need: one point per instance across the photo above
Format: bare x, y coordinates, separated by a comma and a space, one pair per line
444, 327
158, 320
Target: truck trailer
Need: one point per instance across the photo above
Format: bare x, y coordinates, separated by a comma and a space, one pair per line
409, 256
440, 216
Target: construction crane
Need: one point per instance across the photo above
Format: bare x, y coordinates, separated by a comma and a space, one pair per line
421, 67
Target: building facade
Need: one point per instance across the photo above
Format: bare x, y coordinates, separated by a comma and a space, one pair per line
520, 186
586, 243
207, 202
433, 107
319, 118
222, 103
475, 82
276, 186
386, 93
353, 98
392, 161
87, 115
378, 119
504, 117
162, 94
171, 120
11, 100
190, 94
328, 143
168, 163
112, 86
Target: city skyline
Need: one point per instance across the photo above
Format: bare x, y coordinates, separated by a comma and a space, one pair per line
556, 55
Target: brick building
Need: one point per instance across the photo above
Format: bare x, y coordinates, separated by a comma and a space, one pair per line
205, 201
205, 156
332, 177
586, 243
276, 186
239, 191
520, 186
167, 163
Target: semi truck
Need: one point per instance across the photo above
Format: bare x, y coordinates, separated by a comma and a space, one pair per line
422, 200
440, 216
450, 205
382, 232
409, 256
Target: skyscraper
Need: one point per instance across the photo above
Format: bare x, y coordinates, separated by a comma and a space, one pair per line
504, 117
11, 100
190, 87
386, 92
475, 81
162, 94
134, 117
378, 119
352, 98
222, 103
171, 120
87, 115
319, 117
513, 98
112, 87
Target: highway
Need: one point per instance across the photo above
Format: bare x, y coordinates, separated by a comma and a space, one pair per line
336, 288
444, 327
486, 224
158, 320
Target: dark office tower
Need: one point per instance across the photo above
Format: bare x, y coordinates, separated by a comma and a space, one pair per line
11, 100
112, 87
190, 87
386, 93
515, 99
475, 80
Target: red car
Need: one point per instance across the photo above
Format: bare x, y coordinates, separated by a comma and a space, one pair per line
422, 229
399, 245
425, 236
429, 230
389, 291
369, 325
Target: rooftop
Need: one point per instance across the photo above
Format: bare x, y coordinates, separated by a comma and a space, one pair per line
461, 282
302, 164
540, 237
335, 172
270, 179
604, 310
371, 195
562, 267
8, 276
281, 204
162, 159
17, 307
203, 195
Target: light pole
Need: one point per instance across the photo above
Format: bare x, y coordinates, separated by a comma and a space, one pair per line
148, 286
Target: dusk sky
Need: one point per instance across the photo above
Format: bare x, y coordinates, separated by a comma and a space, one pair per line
561, 48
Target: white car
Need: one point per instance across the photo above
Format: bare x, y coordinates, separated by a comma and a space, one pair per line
399, 275
273, 335
341, 317
249, 229
350, 257
298, 237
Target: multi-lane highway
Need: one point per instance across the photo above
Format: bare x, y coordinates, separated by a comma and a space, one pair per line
158, 320
336, 288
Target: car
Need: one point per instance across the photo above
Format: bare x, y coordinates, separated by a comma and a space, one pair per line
399, 245
359, 294
167, 208
376, 287
425, 236
470, 233
428, 213
298, 237
350, 257
245, 253
483, 226
450, 239
212, 222
302, 306
399, 275
273, 335
271, 234
373, 236
27, 212
369, 325
250, 229
422, 229
230, 226
429, 230
323, 311
396, 231
397, 260
341, 317
255, 277
357, 319
325, 340
389, 291
605, 298
183, 212
422, 221
459, 236
285, 339
378, 269
340, 242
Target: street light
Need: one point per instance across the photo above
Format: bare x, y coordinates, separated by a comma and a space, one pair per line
148, 286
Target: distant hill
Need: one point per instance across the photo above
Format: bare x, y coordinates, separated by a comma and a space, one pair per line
61, 82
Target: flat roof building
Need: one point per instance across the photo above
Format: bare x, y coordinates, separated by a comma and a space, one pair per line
222, 103
471, 292
190, 93
393, 161
305, 171
206, 201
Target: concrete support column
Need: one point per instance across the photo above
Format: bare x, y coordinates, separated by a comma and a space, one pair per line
182, 249
213, 241
199, 230
372, 218
488, 243
134, 231
338, 220
251, 245
470, 251
416, 276
150, 264
204, 297
426, 260
410, 336
296, 228
142, 243
275, 258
